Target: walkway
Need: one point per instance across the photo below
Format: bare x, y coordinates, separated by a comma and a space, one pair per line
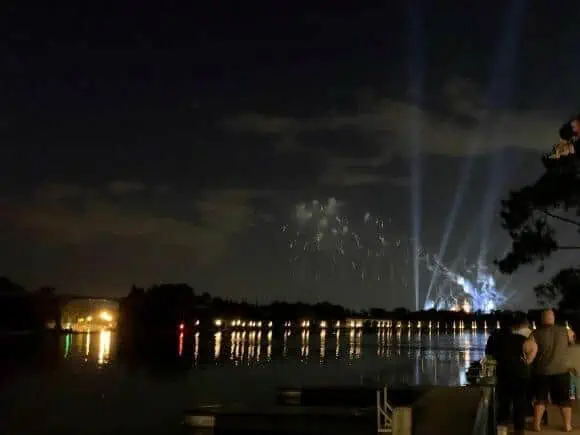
445, 410
554, 426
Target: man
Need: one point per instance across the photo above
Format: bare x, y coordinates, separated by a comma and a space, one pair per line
514, 354
496, 341
551, 371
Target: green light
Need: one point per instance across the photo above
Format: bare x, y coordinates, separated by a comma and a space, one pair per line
67, 342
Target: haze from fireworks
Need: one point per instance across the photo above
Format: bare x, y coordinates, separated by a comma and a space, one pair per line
325, 244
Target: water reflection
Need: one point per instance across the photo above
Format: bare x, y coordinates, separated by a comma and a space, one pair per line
305, 344
196, 348
88, 344
67, 345
415, 358
217, 347
104, 347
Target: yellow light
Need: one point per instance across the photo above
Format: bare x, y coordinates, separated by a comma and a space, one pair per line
89, 318
217, 322
104, 347
466, 307
107, 317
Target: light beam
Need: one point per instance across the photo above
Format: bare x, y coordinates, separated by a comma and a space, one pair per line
416, 71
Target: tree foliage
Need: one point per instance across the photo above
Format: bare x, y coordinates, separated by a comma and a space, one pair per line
565, 285
530, 215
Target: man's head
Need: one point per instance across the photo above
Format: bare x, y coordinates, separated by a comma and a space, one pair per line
548, 317
566, 132
521, 322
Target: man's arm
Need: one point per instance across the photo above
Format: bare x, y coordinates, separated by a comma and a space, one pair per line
571, 336
530, 350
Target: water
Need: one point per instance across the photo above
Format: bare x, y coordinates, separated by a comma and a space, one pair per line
79, 384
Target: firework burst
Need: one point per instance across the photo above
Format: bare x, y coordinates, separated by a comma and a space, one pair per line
325, 244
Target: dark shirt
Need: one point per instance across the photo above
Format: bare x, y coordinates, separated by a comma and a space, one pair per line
508, 350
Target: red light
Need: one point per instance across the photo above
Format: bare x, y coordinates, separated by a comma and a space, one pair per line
181, 326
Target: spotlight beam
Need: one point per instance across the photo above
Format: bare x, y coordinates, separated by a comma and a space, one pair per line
499, 96
416, 71
497, 91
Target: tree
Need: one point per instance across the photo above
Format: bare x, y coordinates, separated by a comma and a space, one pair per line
530, 215
47, 305
565, 285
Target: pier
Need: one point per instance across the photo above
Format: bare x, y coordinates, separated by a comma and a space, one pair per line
354, 410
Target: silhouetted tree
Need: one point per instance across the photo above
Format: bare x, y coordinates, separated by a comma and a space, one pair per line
378, 313
530, 214
47, 306
565, 285
17, 308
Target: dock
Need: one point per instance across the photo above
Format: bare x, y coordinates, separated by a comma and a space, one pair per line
554, 426
352, 410
279, 419
446, 410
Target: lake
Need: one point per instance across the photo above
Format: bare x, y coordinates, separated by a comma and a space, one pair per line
78, 383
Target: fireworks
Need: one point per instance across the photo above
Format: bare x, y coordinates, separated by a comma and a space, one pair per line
325, 244
458, 292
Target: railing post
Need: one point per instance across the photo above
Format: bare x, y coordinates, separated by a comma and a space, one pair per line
379, 418
402, 421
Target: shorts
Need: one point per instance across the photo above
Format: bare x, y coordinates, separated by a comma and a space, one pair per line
554, 388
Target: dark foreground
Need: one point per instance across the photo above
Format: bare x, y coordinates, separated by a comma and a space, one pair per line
81, 384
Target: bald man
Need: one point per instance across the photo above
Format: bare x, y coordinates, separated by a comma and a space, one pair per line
551, 371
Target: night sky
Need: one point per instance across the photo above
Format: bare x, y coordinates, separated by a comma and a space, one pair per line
171, 141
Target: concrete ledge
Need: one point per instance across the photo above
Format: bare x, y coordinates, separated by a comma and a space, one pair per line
446, 410
402, 421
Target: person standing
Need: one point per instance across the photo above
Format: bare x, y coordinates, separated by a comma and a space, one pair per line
514, 357
551, 370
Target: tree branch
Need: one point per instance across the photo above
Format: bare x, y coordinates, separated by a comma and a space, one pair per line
561, 218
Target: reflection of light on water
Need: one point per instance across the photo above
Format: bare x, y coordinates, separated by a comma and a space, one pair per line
248, 346
195, 347
217, 348
354, 344
67, 345
437, 359
232, 345
235, 345
287, 334
462, 377
251, 345
88, 344
258, 345
322, 344
269, 349
180, 344
104, 347
351, 337
241, 345
305, 341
